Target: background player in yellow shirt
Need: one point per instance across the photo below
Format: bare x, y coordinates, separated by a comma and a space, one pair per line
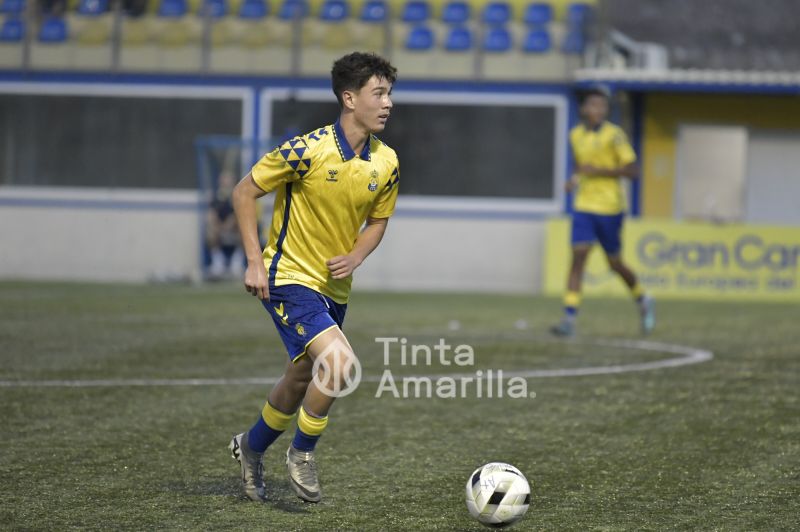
602, 155
329, 183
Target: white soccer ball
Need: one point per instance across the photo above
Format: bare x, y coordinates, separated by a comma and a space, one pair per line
498, 494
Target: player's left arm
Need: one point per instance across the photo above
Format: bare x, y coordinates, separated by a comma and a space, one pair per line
372, 234
344, 265
630, 170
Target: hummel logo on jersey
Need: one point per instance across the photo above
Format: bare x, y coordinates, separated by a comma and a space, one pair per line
332, 176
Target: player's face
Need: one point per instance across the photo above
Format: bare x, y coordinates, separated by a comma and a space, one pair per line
373, 103
595, 109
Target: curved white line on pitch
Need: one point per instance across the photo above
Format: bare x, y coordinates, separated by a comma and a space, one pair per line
688, 356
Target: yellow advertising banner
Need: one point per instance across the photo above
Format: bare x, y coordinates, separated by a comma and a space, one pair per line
687, 260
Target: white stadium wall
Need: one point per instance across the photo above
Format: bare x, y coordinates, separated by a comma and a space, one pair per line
83, 234
467, 255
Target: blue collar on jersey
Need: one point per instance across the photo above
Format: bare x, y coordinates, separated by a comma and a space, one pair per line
345, 150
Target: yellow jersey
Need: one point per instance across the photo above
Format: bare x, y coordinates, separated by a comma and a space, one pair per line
324, 194
604, 147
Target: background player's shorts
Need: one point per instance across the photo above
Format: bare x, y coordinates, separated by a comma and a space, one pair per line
301, 314
588, 228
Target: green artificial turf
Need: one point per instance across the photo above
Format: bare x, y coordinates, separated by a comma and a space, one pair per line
709, 446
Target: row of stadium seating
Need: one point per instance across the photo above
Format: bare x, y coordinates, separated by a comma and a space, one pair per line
249, 36
528, 11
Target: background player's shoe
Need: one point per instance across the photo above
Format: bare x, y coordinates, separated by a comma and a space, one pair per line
648, 313
565, 329
252, 468
303, 474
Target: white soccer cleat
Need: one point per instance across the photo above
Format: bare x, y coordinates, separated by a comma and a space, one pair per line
303, 474
252, 468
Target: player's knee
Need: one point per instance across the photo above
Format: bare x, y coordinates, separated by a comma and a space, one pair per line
299, 372
579, 259
336, 369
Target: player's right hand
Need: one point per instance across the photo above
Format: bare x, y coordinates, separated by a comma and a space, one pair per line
256, 281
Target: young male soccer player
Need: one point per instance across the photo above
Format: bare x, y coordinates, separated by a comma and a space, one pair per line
329, 183
602, 154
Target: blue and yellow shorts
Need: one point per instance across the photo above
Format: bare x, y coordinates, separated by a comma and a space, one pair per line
588, 227
301, 314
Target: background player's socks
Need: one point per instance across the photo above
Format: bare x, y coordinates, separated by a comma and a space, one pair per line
566, 327
269, 426
572, 301
638, 293
309, 429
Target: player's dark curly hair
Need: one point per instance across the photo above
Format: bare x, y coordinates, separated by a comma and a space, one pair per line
353, 71
594, 90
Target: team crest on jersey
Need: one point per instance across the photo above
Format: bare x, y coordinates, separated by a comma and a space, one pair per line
373, 181
300, 329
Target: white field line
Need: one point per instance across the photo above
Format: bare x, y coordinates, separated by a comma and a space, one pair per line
686, 356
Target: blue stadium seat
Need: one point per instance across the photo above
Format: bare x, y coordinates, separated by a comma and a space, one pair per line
497, 40
497, 13
578, 14
459, 39
172, 8
92, 8
12, 30
53, 30
292, 9
456, 13
374, 11
334, 11
12, 6
574, 42
253, 9
420, 38
416, 12
215, 8
537, 41
538, 14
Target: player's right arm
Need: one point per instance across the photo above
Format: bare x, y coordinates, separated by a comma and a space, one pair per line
245, 205
575, 179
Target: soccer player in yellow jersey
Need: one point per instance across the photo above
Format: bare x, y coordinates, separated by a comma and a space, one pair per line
329, 184
602, 155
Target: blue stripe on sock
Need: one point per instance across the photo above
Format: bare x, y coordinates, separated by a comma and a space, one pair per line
304, 442
261, 436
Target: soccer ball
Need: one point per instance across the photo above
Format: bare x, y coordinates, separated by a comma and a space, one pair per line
498, 494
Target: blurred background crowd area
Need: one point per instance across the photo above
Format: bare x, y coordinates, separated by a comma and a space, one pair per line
283, 37
475, 39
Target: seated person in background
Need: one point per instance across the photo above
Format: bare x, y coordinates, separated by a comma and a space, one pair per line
134, 8
54, 8
222, 233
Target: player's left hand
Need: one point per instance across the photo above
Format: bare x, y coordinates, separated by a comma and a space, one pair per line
572, 183
342, 266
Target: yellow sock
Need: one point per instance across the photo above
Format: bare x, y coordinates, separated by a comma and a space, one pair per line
274, 418
309, 429
572, 299
313, 426
637, 291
